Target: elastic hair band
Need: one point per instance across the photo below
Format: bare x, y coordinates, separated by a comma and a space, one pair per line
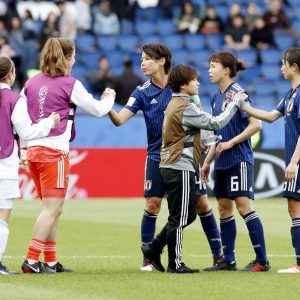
11, 67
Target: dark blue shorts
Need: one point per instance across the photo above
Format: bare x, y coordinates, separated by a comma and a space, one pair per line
291, 190
235, 182
200, 186
153, 183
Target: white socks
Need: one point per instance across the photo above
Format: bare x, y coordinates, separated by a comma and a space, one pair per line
4, 231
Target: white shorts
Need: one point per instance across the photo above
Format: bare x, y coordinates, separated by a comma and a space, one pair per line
9, 190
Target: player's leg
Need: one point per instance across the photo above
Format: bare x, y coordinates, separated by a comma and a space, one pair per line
294, 211
154, 190
9, 190
208, 220
291, 192
242, 191
227, 221
182, 212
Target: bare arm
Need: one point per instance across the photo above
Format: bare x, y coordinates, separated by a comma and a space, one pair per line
121, 117
268, 116
291, 170
253, 127
205, 169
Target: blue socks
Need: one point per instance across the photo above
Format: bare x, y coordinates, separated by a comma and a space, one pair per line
212, 232
148, 227
228, 236
295, 232
256, 233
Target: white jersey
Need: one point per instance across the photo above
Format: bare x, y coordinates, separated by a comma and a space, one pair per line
22, 126
81, 98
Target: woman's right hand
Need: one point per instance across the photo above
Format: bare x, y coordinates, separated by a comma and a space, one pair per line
55, 117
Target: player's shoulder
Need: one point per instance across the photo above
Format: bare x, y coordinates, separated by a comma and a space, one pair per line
144, 86
236, 87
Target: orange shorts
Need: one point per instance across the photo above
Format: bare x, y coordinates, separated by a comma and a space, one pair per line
50, 178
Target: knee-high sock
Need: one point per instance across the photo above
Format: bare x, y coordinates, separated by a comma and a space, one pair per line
34, 250
50, 253
228, 236
211, 231
148, 227
295, 232
4, 232
256, 233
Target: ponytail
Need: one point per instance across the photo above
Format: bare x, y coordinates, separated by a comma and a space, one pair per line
55, 55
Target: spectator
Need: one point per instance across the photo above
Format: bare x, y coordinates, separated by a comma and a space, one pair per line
84, 23
147, 3
3, 29
101, 78
5, 49
253, 12
189, 21
49, 29
236, 35
262, 36
106, 21
66, 22
235, 9
28, 24
167, 8
125, 9
126, 83
212, 23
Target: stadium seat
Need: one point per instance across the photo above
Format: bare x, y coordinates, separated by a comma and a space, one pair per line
85, 43
268, 101
115, 58
146, 14
282, 88
107, 43
166, 27
271, 57
91, 60
222, 11
250, 74
126, 27
214, 42
174, 42
128, 43
181, 57
145, 28
271, 72
194, 42
154, 38
200, 58
284, 41
79, 72
264, 88
294, 3
248, 56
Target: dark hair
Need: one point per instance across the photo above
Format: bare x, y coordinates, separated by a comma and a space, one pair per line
6, 66
292, 56
158, 51
228, 60
180, 75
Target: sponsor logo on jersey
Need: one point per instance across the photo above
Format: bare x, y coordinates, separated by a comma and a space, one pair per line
153, 101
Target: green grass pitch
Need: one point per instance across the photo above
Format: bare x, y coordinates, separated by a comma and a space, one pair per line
101, 241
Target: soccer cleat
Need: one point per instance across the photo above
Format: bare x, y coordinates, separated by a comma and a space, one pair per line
5, 271
295, 268
58, 268
183, 269
256, 266
222, 266
146, 267
153, 257
38, 268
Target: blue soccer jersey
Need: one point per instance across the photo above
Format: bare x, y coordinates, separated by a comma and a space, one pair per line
152, 101
241, 151
289, 106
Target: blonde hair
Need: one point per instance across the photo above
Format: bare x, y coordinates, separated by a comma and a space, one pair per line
55, 55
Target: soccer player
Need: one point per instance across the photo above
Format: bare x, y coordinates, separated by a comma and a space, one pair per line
234, 167
48, 158
152, 98
289, 108
14, 122
180, 154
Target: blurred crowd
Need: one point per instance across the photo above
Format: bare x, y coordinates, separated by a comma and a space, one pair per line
26, 25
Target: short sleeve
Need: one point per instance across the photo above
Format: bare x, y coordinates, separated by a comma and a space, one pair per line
134, 103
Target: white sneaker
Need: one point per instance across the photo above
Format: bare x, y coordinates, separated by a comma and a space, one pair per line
295, 268
146, 267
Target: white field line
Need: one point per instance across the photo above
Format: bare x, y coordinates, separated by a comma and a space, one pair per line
128, 256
